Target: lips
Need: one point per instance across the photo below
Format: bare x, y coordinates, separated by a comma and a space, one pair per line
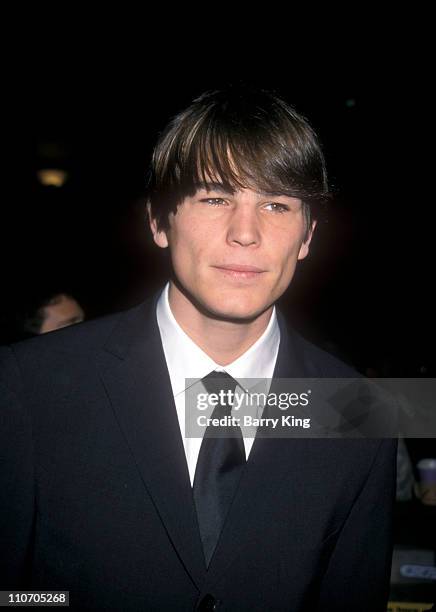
239, 272
239, 268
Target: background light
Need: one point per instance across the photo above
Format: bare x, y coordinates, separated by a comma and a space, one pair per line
52, 177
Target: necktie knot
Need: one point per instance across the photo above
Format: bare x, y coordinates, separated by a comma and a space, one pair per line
223, 385
215, 381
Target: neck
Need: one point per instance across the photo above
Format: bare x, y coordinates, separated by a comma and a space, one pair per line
222, 340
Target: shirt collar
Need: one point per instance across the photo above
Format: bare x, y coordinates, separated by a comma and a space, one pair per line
185, 359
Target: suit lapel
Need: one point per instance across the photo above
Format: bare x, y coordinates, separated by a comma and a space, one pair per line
134, 372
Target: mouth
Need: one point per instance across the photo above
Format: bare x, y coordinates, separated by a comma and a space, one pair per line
239, 271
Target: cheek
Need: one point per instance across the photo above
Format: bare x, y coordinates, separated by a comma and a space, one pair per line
284, 252
190, 243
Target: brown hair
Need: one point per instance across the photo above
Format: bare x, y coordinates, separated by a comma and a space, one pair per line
243, 137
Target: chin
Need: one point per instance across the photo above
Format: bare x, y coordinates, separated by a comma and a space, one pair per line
236, 310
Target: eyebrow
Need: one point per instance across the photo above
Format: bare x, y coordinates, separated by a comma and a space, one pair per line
213, 186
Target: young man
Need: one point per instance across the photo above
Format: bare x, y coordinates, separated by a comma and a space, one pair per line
104, 495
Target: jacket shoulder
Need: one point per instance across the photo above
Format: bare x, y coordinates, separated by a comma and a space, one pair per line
319, 363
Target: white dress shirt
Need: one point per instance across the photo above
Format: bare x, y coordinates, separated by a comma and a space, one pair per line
185, 359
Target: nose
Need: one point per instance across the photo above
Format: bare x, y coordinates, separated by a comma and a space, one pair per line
243, 229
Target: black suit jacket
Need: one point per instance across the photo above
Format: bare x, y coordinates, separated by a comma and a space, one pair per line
96, 497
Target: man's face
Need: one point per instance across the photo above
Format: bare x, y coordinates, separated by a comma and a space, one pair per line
235, 253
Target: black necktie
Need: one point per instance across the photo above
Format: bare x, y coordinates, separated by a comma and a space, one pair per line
219, 467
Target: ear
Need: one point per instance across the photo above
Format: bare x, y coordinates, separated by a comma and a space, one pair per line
304, 248
159, 236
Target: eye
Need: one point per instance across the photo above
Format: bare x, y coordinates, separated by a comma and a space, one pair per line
277, 207
213, 201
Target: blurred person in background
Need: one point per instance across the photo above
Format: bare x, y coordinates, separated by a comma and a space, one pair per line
56, 311
39, 311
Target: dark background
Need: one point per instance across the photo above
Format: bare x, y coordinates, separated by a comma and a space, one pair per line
366, 290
